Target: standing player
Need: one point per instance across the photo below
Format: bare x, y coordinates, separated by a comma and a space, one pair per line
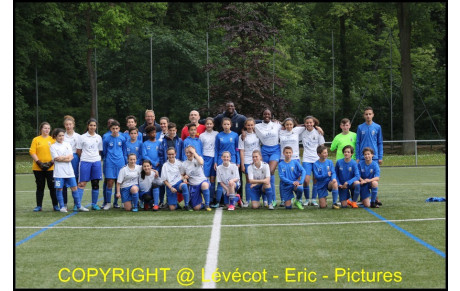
229, 181
259, 180
326, 179
192, 169
128, 184
268, 133
164, 121
370, 176
346, 137
208, 140
311, 139
89, 148
62, 154
226, 141
172, 178
247, 147
192, 140
131, 122
71, 137
43, 165
292, 175
348, 178
134, 144
115, 158
151, 147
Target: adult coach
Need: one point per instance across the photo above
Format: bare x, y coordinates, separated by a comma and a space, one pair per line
236, 118
194, 118
149, 120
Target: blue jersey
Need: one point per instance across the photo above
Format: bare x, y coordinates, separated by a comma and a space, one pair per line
320, 171
150, 151
227, 142
114, 150
346, 172
128, 137
176, 143
369, 171
291, 172
136, 148
369, 136
196, 143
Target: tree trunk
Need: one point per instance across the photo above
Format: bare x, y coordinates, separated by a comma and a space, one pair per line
89, 65
406, 75
343, 69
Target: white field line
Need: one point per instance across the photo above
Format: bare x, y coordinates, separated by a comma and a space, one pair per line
236, 225
213, 251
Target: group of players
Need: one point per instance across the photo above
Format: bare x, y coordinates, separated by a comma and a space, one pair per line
148, 162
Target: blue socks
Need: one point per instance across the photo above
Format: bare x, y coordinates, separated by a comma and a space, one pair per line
76, 198
270, 195
306, 191
108, 195
272, 183
94, 196
299, 193
314, 192
212, 191
374, 194
59, 197
219, 192
185, 193
206, 195
135, 199
156, 196
335, 196
80, 193
356, 192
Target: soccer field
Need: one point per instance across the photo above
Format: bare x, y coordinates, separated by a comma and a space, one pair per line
400, 245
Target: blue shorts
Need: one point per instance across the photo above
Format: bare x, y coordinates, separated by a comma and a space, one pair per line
226, 200
195, 194
271, 153
344, 194
75, 162
256, 192
172, 197
90, 171
287, 191
111, 170
323, 191
126, 194
65, 182
208, 166
365, 191
308, 168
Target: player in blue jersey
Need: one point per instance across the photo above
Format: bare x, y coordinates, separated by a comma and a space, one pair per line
325, 176
134, 144
131, 122
164, 121
370, 175
192, 140
259, 181
151, 147
347, 173
226, 140
115, 158
208, 140
369, 134
104, 185
292, 175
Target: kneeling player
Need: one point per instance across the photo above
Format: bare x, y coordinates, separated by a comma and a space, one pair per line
172, 178
127, 184
198, 183
259, 180
290, 171
370, 176
149, 186
229, 182
348, 178
323, 170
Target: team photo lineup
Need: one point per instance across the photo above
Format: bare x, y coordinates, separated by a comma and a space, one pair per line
201, 165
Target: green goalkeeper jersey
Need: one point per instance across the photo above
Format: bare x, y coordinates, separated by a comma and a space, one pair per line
340, 141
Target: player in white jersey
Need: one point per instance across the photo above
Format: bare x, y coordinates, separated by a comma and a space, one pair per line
72, 138
311, 139
208, 140
173, 180
268, 133
229, 181
61, 152
250, 143
259, 180
192, 171
89, 148
128, 184
149, 186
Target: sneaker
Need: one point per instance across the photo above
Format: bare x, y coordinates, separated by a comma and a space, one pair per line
96, 207
338, 203
75, 208
164, 206
314, 203
307, 202
350, 203
155, 208
274, 203
38, 208
116, 206
374, 205
106, 207
135, 210
83, 209
56, 208
354, 204
378, 202
282, 204
207, 208
245, 205
335, 206
270, 207
240, 203
266, 204
63, 210
231, 207
187, 208
141, 204
299, 205
215, 205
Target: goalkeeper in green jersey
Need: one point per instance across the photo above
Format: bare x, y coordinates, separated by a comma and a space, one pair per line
343, 139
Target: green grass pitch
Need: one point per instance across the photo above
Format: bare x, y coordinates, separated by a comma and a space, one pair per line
311, 248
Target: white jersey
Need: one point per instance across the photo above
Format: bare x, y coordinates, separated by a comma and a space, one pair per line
194, 171
250, 144
311, 140
90, 145
62, 169
209, 141
268, 133
171, 172
128, 177
225, 174
146, 183
72, 140
261, 173
291, 138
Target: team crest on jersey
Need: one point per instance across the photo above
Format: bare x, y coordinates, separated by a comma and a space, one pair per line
111, 144
231, 139
363, 132
119, 143
362, 170
373, 132
292, 169
148, 147
328, 168
137, 148
341, 169
371, 171
156, 147
349, 169
221, 139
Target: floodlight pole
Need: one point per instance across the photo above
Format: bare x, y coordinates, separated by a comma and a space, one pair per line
333, 87
391, 85
151, 74
207, 63
95, 74
273, 81
36, 94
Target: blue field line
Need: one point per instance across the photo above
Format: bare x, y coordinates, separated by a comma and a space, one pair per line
410, 235
49, 226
